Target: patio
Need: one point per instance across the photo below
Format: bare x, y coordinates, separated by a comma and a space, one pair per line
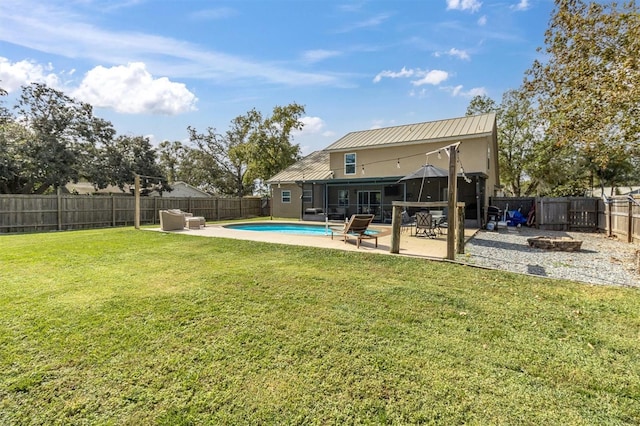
433, 248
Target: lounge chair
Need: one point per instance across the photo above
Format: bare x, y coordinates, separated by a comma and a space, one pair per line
171, 221
190, 221
356, 228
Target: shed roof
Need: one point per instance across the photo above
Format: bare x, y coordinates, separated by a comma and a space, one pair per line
433, 131
314, 166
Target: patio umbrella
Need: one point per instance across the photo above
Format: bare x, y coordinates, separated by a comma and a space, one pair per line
425, 172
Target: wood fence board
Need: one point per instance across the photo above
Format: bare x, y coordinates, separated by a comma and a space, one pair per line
33, 213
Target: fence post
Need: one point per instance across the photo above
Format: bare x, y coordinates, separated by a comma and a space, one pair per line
609, 224
630, 223
113, 211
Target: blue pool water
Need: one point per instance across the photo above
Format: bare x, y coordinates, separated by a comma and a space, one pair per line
285, 228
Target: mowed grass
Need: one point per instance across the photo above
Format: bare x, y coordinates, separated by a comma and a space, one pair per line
118, 326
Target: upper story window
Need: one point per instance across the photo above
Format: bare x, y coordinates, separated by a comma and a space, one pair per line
286, 196
350, 164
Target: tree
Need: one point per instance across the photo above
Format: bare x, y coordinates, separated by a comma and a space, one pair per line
52, 141
481, 104
588, 90
253, 149
221, 162
272, 150
515, 136
122, 158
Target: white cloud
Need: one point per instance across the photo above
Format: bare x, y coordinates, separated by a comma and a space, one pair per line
17, 74
403, 73
476, 91
472, 5
52, 29
420, 94
369, 23
132, 89
433, 77
313, 56
522, 5
312, 125
482, 21
214, 14
461, 54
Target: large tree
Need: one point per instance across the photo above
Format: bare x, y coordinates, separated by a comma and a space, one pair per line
120, 159
272, 150
516, 136
587, 88
52, 141
254, 148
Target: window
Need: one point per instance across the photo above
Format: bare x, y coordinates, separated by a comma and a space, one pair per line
350, 164
343, 197
286, 196
307, 196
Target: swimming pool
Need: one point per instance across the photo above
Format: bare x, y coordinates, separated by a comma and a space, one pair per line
286, 228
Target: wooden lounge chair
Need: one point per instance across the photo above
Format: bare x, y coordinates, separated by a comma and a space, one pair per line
356, 228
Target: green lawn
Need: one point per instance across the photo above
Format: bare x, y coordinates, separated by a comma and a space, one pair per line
118, 326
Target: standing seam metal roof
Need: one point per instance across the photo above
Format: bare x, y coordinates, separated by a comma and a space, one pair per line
462, 127
314, 166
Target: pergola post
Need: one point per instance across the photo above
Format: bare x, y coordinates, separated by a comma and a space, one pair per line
396, 222
452, 216
136, 219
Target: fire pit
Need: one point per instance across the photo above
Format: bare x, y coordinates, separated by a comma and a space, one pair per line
555, 243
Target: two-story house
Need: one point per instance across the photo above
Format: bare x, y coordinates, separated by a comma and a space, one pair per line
365, 171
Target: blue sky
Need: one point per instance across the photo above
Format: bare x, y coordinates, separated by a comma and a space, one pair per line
154, 67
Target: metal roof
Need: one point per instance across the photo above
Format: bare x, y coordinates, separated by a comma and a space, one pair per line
314, 166
432, 131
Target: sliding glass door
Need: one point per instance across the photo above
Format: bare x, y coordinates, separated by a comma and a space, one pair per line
369, 203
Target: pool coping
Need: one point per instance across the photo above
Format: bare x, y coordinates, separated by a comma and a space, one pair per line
433, 248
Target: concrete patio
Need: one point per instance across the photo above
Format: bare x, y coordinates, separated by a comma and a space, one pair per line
433, 248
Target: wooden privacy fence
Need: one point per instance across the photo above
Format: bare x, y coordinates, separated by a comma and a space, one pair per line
36, 213
619, 216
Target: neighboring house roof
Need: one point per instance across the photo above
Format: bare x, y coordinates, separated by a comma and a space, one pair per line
434, 131
620, 190
314, 166
182, 189
84, 188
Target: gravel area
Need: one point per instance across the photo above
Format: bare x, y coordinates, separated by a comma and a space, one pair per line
601, 260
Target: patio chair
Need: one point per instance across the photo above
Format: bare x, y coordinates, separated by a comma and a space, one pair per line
425, 225
407, 222
356, 228
441, 223
171, 221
